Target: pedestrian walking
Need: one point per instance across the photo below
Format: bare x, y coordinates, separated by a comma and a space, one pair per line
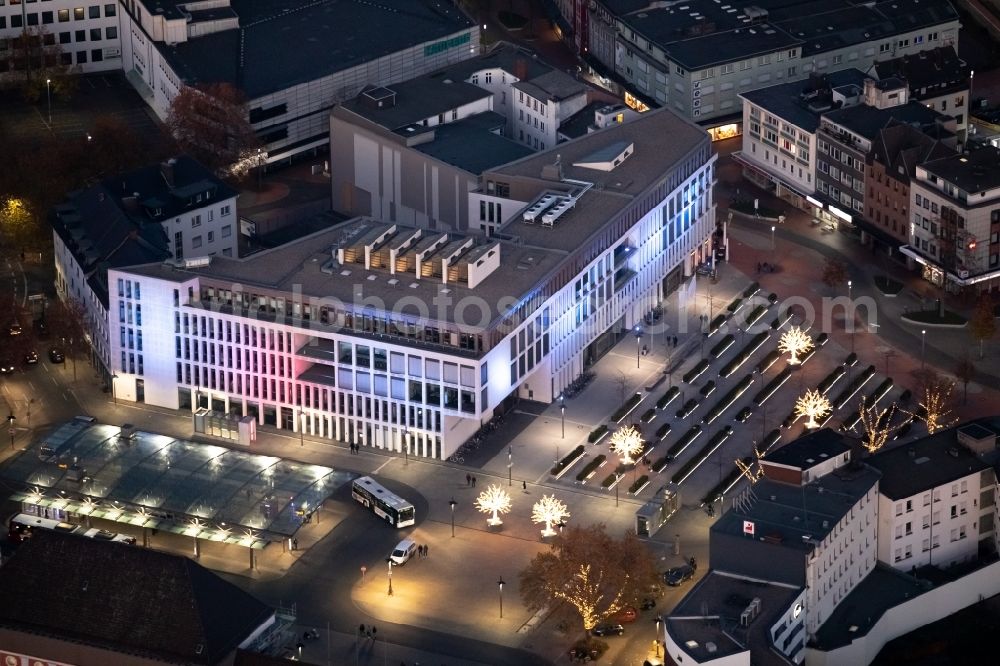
295, 543
473, 481
468, 480
524, 486
361, 630
425, 549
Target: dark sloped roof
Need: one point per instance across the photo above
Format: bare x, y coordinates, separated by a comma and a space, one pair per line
868, 120
126, 598
929, 73
810, 450
900, 148
788, 102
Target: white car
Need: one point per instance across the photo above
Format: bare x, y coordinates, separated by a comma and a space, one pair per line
403, 551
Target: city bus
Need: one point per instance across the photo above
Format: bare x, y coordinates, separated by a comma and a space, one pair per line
23, 525
393, 509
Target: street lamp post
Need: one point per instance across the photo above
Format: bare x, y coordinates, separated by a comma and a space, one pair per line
850, 286
657, 641
302, 428
48, 96
10, 422
618, 478
638, 340
260, 168
923, 346
500, 585
406, 446
772, 239
389, 561
510, 465
114, 388
562, 413
452, 503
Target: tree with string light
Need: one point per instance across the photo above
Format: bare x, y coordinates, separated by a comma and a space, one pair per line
876, 424
935, 403
795, 341
596, 575
813, 405
494, 500
549, 510
627, 443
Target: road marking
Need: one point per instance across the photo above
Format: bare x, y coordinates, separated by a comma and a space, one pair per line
379, 468
32, 386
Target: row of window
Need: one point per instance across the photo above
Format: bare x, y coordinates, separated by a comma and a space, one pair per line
63, 15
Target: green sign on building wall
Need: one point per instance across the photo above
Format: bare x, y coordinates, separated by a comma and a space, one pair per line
444, 45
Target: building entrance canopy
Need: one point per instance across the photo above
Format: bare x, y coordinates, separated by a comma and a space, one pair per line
159, 482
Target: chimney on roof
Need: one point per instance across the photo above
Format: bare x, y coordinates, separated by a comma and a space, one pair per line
520, 68
167, 171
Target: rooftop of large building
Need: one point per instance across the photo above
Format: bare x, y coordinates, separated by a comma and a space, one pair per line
797, 516
319, 38
474, 144
811, 449
866, 121
117, 222
656, 141
929, 462
403, 107
929, 73
552, 85
974, 171
802, 103
900, 148
882, 589
706, 622
614, 166
127, 599
703, 33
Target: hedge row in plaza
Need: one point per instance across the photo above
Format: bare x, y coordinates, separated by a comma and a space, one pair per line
851, 360
692, 434
748, 351
695, 372
624, 410
648, 415
772, 298
752, 290
663, 431
755, 315
780, 320
591, 467
638, 484
597, 433
668, 397
772, 386
567, 460
716, 324
880, 392
722, 345
770, 359
821, 339
769, 441
707, 450
708, 389
715, 494
854, 387
728, 399
835, 375
735, 305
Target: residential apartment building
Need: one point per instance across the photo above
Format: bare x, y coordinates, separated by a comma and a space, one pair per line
413, 152
779, 132
696, 57
84, 36
936, 498
290, 90
377, 333
892, 162
845, 138
935, 77
174, 209
955, 224
803, 537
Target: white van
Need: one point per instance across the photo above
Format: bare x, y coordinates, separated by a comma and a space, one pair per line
403, 551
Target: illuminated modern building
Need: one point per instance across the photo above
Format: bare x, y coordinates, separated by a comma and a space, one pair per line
409, 338
84, 35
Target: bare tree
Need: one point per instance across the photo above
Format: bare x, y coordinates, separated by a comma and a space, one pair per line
34, 64
68, 319
621, 385
834, 272
983, 325
211, 123
965, 370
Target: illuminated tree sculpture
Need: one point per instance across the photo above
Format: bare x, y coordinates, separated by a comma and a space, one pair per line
795, 341
627, 443
496, 500
549, 510
876, 425
934, 403
813, 405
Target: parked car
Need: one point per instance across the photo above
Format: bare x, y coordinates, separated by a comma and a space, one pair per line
403, 551
648, 603
14, 328
678, 575
56, 355
6, 366
744, 414
607, 630
31, 357
627, 615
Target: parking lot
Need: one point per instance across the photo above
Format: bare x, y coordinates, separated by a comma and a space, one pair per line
107, 94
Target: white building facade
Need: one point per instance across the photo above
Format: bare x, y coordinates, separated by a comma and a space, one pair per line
219, 334
86, 35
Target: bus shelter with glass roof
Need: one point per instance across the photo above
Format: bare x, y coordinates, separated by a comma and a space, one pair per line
156, 482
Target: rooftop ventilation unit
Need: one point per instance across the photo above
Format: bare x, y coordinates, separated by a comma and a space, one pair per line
539, 207
551, 217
